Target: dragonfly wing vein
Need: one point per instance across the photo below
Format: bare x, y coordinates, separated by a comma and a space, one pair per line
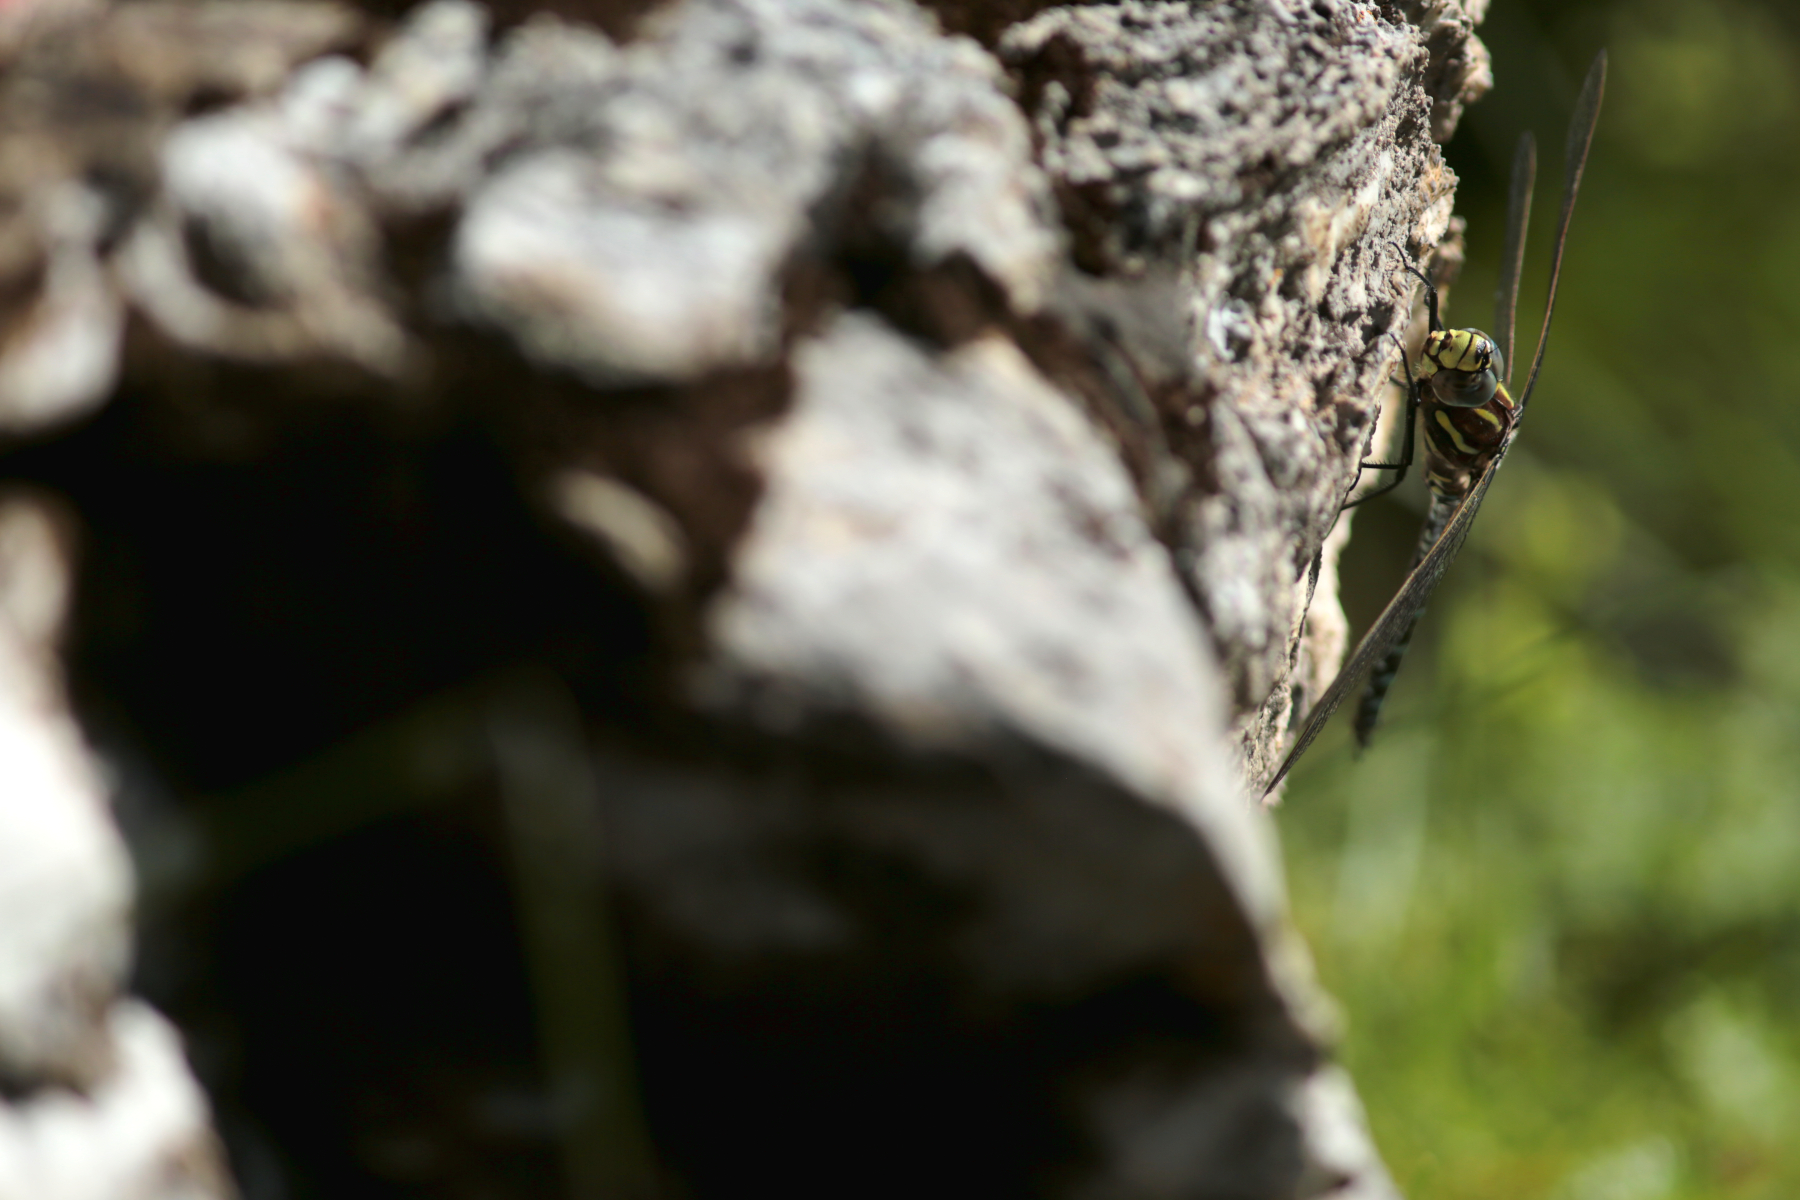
1512, 258
1394, 620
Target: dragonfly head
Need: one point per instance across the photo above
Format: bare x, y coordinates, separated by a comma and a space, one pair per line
1463, 365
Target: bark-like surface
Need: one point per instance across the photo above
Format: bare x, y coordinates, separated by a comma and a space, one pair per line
689, 596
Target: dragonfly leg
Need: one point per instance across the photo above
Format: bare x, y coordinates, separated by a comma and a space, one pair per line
1406, 438
1412, 390
1431, 295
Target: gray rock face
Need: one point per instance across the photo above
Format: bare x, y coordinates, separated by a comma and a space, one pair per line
900, 474
101, 1104
141, 1132
902, 466
1172, 133
65, 880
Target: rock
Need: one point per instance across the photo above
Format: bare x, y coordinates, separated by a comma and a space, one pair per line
142, 1132
65, 879
904, 461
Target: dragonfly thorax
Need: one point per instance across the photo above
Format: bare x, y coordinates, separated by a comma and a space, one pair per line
1460, 367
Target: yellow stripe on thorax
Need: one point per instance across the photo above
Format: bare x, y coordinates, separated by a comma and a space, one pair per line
1443, 420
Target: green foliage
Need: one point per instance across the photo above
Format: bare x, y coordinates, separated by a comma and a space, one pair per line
1560, 898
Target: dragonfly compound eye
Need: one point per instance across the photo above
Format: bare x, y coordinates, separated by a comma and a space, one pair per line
1468, 367
1468, 389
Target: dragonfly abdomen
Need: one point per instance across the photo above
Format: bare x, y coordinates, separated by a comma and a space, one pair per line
1443, 506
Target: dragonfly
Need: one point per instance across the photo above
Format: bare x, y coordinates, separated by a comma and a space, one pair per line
1460, 388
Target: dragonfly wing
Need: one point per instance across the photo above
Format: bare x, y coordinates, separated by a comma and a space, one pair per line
1575, 155
1395, 619
1512, 258
1438, 516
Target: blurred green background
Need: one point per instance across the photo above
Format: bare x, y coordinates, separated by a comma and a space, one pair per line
1560, 897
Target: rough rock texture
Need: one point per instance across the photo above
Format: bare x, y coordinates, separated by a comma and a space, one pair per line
1271, 158
65, 880
140, 1132
690, 593
100, 1104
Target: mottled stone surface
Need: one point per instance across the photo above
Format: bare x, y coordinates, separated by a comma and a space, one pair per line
99, 1103
65, 881
1271, 158
901, 464
140, 1132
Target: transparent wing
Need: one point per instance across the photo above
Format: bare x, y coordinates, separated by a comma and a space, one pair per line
1575, 154
1407, 603
1512, 259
